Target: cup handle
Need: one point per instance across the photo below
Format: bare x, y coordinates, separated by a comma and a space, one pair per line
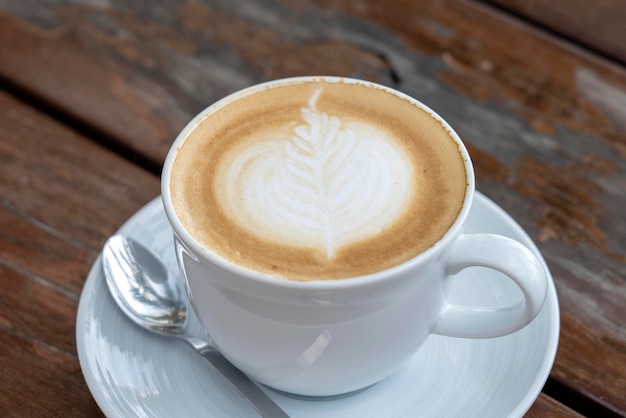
508, 257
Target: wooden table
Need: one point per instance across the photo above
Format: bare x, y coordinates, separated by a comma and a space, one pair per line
92, 94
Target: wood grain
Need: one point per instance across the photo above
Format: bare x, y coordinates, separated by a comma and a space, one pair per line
548, 407
40, 381
544, 121
548, 145
62, 196
600, 25
55, 177
139, 79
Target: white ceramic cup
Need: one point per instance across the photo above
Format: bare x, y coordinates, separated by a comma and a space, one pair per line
330, 337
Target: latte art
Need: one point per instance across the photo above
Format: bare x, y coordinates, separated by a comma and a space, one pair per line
317, 179
330, 183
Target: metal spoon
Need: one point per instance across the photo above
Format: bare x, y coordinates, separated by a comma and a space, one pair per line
141, 286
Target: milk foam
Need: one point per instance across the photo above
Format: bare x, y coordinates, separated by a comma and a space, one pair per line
332, 182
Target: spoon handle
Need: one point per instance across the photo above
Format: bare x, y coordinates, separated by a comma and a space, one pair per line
246, 388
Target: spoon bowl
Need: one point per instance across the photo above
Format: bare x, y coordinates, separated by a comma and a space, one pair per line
144, 290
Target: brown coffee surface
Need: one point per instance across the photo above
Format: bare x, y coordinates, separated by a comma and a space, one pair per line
318, 180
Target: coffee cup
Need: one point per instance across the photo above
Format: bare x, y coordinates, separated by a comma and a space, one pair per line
318, 222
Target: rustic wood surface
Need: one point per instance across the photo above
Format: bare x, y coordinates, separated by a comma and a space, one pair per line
62, 196
599, 25
96, 91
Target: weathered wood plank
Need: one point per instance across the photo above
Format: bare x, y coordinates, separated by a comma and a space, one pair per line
546, 407
29, 244
139, 75
62, 196
545, 130
34, 309
544, 121
599, 25
39, 381
52, 176
577, 364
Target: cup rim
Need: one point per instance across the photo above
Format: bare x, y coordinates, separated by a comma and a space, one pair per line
199, 250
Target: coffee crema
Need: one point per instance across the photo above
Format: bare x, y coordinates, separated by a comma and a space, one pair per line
317, 180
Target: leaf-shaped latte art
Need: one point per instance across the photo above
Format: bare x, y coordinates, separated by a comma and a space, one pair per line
330, 184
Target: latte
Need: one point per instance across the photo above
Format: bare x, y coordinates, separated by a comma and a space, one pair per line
314, 180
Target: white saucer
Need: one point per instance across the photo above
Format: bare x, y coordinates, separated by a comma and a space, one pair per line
133, 373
